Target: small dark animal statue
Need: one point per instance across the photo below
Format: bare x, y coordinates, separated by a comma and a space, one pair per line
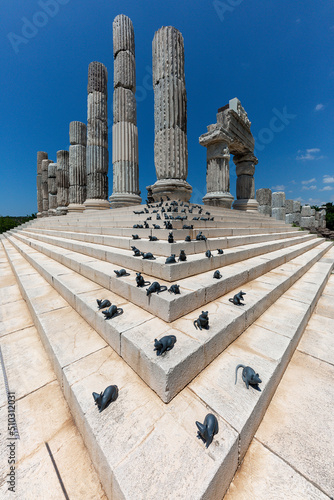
202, 321
217, 275
220, 251
168, 225
182, 256
136, 252
207, 430
148, 256
170, 238
174, 289
140, 281
121, 272
155, 287
135, 237
153, 238
104, 399
208, 254
164, 344
138, 226
156, 226
103, 303
185, 226
238, 297
248, 376
112, 312
171, 259
187, 238
200, 237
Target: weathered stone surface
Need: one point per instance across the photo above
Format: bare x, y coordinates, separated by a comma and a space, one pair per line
289, 218
168, 54
278, 199
52, 202
123, 35
306, 211
307, 221
97, 160
97, 78
265, 210
170, 110
245, 164
125, 71
297, 218
296, 206
62, 178
278, 213
171, 154
263, 196
289, 206
97, 186
245, 187
41, 155
52, 187
77, 165
124, 104
78, 133
44, 186
97, 108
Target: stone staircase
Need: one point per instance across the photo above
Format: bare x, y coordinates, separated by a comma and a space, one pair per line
147, 438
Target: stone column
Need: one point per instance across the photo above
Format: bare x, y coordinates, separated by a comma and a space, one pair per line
289, 215
52, 188
62, 181
296, 212
278, 205
263, 197
97, 138
41, 155
45, 190
124, 132
217, 168
307, 218
245, 168
170, 116
77, 167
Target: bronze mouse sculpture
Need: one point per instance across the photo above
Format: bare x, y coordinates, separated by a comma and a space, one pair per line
140, 281
202, 321
103, 303
248, 376
104, 399
164, 344
208, 429
174, 289
237, 299
121, 272
155, 287
112, 312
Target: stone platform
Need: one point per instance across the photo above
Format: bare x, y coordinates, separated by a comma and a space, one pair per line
150, 432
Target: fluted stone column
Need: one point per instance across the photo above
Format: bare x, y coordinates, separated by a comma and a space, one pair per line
97, 138
45, 190
41, 155
217, 169
62, 181
77, 167
245, 169
124, 132
263, 197
52, 188
170, 116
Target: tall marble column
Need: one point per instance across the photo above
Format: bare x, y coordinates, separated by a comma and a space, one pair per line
52, 188
97, 138
77, 167
170, 116
62, 182
124, 132
45, 190
41, 155
217, 168
245, 168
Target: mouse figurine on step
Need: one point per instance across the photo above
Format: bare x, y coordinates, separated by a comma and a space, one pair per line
182, 256
103, 303
249, 377
238, 297
217, 275
136, 252
208, 429
121, 272
140, 281
164, 344
174, 289
104, 399
155, 288
112, 312
202, 321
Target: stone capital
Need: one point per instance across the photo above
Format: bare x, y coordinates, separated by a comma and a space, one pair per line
215, 135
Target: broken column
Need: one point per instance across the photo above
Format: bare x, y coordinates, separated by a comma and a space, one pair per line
263, 197
62, 181
52, 188
125, 132
170, 116
245, 169
97, 138
278, 205
41, 155
289, 215
217, 168
307, 218
77, 167
44, 185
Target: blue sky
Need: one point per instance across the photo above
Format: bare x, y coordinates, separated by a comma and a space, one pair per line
275, 56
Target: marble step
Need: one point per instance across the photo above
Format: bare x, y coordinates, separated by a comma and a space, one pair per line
196, 263
132, 334
162, 247
138, 438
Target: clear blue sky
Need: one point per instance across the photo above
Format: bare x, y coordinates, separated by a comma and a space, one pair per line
276, 56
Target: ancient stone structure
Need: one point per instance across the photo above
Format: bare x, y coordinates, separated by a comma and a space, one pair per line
62, 182
125, 132
41, 155
278, 205
307, 217
77, 167
170, 116
231, 134
263, 197
97, 138
52, 188
44, 186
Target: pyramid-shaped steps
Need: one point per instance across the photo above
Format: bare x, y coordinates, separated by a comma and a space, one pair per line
132, 334
139, 443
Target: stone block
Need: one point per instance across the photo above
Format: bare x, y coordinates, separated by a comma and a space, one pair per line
289, 218
263, 196
124, 106
265, 210
307, 221
296, 206
78, 133
97, 160
125, 71
306, 211
123, 35
278, 199
289, 206
97, 78
296, 218
312, 211
245, 187
278, 213
168, 54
